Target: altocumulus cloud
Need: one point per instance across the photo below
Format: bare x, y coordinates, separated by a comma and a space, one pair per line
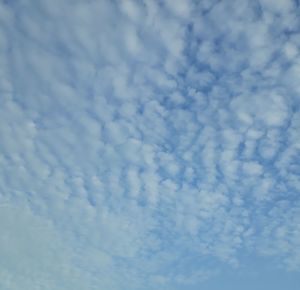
146, 144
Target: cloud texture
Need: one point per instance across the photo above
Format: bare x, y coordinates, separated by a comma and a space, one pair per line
147, 144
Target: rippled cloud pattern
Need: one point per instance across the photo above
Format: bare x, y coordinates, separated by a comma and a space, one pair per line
148, 144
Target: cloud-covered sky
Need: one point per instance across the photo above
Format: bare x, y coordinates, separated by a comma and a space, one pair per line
149, 145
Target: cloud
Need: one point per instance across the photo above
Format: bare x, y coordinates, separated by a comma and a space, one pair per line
146, 143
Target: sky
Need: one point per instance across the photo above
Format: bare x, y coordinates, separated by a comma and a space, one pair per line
149, 144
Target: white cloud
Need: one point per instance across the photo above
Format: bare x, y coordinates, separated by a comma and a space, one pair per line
138, 135
270, 109
252, 168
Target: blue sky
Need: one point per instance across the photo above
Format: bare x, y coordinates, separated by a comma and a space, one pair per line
149, 145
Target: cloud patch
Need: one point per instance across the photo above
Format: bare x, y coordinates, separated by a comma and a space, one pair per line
147, 143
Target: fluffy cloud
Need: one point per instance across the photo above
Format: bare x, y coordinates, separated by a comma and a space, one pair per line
146, 142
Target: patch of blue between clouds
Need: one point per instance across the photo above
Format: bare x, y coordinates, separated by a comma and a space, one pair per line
149, 144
